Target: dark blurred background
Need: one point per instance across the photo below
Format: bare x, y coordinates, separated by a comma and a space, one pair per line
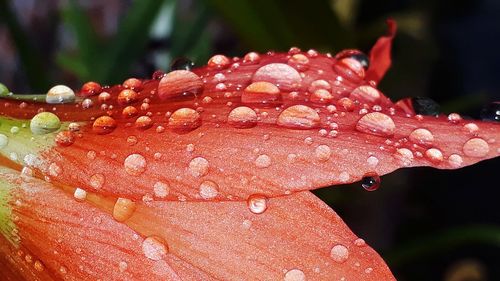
428, 224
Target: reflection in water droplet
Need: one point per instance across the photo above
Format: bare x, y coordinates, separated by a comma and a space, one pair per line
44, 123
370, 181
135, 164
242, 117
294, 275
154, 248
60, 94
339, 253
257, 203
104, 125
124, 208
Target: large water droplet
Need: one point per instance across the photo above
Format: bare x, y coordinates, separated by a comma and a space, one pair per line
135, 164
286, 77
376, 123
154, 248
198, 167
294, 275
476, 147
257, 203
104, 125
299, 117
242, 117
184, 119
179, 83
124, 208
60, 94
366, 93
339, 253
44, 123
370, 181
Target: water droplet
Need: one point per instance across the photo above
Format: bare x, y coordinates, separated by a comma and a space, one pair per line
351, 64
208, 189
339, 253
299, 117
321, 96
260, 92
184, 119
80, 194
368, 270
294, 275
219, 61
251, 58
135, 164
179, 83
198, 167
372, 161
434, 155
359, 242
323, 153
60, 94
366, 93
425, 106
90, 88
132, 83
263, 161
143, 122
344, 177
38, 265
129, 111
154, 248
454, 118
376, 123
286, 77
405, 156
476, 147
97, 180
370, 181
104, 125
122, 266
299, 61
257, 203
455, 161
471, 128
422, 136
44, 123
181, 63
242, 117
491, 112
124, 208
161, 189
127, 96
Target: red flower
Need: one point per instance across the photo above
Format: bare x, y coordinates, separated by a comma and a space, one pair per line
204, 174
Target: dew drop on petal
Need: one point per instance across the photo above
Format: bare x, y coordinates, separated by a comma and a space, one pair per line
360, 242
476, 148
242, 117
44, 123
208, 189
299, 117
260, 92
294, 275
80, 194
257, 203
184, 119
263, 161
161, 189
455, 161
376, 123
4, 140
123, 209
154, 248
104, 125
339, 253
60, 94
198, 167
372, 161
287, 77
434, 155
421, 136
97, 180
404, 155
135, 164
323, 153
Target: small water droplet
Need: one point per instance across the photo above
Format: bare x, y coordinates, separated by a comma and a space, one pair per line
360, 242
434, 155
405, 156
90, 88
376, 123
372, 161
208, 190
476, 148
454, 118
251, 58
124, 208
299, 117
242, 117
257, 203
44, 123
323, 153
219, 61
127, 96
38, 265
184, 119
60, 94
294, 275
122, 266
132, 83
370, 181
263, 161
455, 160
4, 140
321, 96
143, 122
154, 248
198, 167
422, 136
161, 189
135, 164
260, 92
97, 180
65, 138
339, 253
80, 194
